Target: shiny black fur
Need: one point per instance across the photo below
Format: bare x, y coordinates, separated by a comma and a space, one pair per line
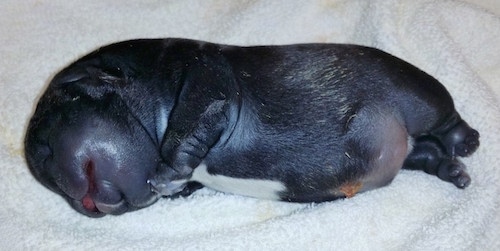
120, 126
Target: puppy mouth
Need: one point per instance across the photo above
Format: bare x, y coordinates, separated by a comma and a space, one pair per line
87, 208
96, 209
107, 208
102, 197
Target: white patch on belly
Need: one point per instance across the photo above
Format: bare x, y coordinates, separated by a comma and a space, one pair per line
265, 189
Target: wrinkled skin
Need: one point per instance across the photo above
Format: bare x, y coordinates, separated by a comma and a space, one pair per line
134, 121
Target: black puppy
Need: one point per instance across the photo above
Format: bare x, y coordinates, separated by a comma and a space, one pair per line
141, 119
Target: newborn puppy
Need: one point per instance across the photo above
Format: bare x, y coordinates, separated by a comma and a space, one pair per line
138, 120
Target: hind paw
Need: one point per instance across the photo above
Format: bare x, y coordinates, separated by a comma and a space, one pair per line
469, 144
454, 171
461, 140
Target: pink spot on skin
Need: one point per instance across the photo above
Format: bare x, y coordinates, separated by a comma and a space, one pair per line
88, 203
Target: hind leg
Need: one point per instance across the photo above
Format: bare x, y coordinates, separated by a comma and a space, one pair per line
430, 156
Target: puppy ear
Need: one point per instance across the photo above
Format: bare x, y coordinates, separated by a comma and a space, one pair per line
90, 80
71, 75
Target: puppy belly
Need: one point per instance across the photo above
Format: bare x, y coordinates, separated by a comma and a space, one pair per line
265, 189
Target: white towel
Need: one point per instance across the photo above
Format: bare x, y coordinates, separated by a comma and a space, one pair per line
457, 42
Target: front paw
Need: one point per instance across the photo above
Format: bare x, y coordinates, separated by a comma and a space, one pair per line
166, 187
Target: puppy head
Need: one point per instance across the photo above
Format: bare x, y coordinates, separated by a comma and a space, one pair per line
84, 143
